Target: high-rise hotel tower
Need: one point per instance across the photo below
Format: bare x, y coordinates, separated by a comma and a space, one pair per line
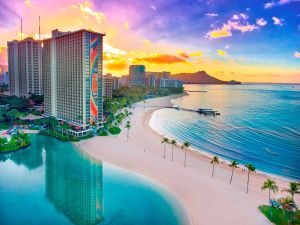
24, 67
72, 78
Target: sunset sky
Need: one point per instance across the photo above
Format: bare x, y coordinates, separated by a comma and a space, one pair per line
250, 41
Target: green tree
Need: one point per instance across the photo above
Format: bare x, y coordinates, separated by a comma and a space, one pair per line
271, 186
293, 189
13, 115
165, 141
173, 143
3, 141
185, 146
250, 168
234, 164
213, 162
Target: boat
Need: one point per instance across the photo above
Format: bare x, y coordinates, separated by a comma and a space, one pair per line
270, 151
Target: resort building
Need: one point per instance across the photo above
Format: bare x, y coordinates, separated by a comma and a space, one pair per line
107, 86
170, 83
137, 75
24, 67
72, 78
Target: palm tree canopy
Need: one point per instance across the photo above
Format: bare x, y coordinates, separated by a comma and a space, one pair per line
165, 140
234, 164
186, 144
293, 188
270, 184
173, 142
215, 160
250, 167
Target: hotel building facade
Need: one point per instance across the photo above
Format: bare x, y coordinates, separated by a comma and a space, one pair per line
72, 78
24, 67
137, 75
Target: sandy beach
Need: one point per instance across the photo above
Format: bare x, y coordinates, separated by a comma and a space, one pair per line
207, 200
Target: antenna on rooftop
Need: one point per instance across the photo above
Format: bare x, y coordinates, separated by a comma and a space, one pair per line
39, 28
21, 29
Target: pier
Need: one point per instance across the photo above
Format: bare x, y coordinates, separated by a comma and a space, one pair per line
202, 111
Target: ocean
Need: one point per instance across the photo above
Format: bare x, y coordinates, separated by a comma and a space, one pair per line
259, 124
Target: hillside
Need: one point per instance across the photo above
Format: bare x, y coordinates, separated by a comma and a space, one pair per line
200, 77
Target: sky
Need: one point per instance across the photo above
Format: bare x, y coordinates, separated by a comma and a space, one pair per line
248, 40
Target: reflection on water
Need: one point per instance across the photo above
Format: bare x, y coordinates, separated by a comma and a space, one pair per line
74, 186
52, 182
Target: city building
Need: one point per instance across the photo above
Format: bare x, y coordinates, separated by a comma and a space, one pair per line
170, 83
153, 78
24, 67
107, 86
3, 75
124, 81
137, 75
72, 78
115, 83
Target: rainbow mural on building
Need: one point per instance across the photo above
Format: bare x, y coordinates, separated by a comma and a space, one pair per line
94, 61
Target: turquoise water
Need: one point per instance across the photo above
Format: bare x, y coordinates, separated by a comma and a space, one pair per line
259, 124
53, 183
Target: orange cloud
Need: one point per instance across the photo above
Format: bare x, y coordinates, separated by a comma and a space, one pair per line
221, 53
184, 55
159, 59
195, 54
116, 65
220, 33
297, 54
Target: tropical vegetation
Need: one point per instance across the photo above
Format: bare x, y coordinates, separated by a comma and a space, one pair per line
271, 186
251, 169
165, 141
17, 141
234, 164
185, 146
213, 162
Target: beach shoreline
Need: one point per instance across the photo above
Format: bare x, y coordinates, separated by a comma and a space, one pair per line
201, 196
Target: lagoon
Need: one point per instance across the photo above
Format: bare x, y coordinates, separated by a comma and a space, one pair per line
52, 182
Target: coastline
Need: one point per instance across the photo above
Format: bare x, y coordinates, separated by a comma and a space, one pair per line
202, 197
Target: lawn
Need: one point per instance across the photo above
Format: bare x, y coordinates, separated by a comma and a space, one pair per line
280, 216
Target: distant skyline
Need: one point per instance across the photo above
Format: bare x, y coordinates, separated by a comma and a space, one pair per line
250, 41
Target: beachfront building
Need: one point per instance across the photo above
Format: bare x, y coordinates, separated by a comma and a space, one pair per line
137, 75
170, 83
107, 86
24, 67
72, 78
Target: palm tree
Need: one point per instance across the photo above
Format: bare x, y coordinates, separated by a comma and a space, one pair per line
165, 141
128, 126
65, 127
185, 146
288, 205
173, 143
271, 185
234, 164
13, 114
215, 160
293, 189
250, 168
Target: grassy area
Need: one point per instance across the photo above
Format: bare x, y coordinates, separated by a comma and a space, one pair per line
4, 126
16, 142
114, 130
280, 216
102, 133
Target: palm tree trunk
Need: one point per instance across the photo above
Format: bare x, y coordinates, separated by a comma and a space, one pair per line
127, 134
185, 158
172, 152
164, 150
231, 175
248, 181
213, 171
269, 194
